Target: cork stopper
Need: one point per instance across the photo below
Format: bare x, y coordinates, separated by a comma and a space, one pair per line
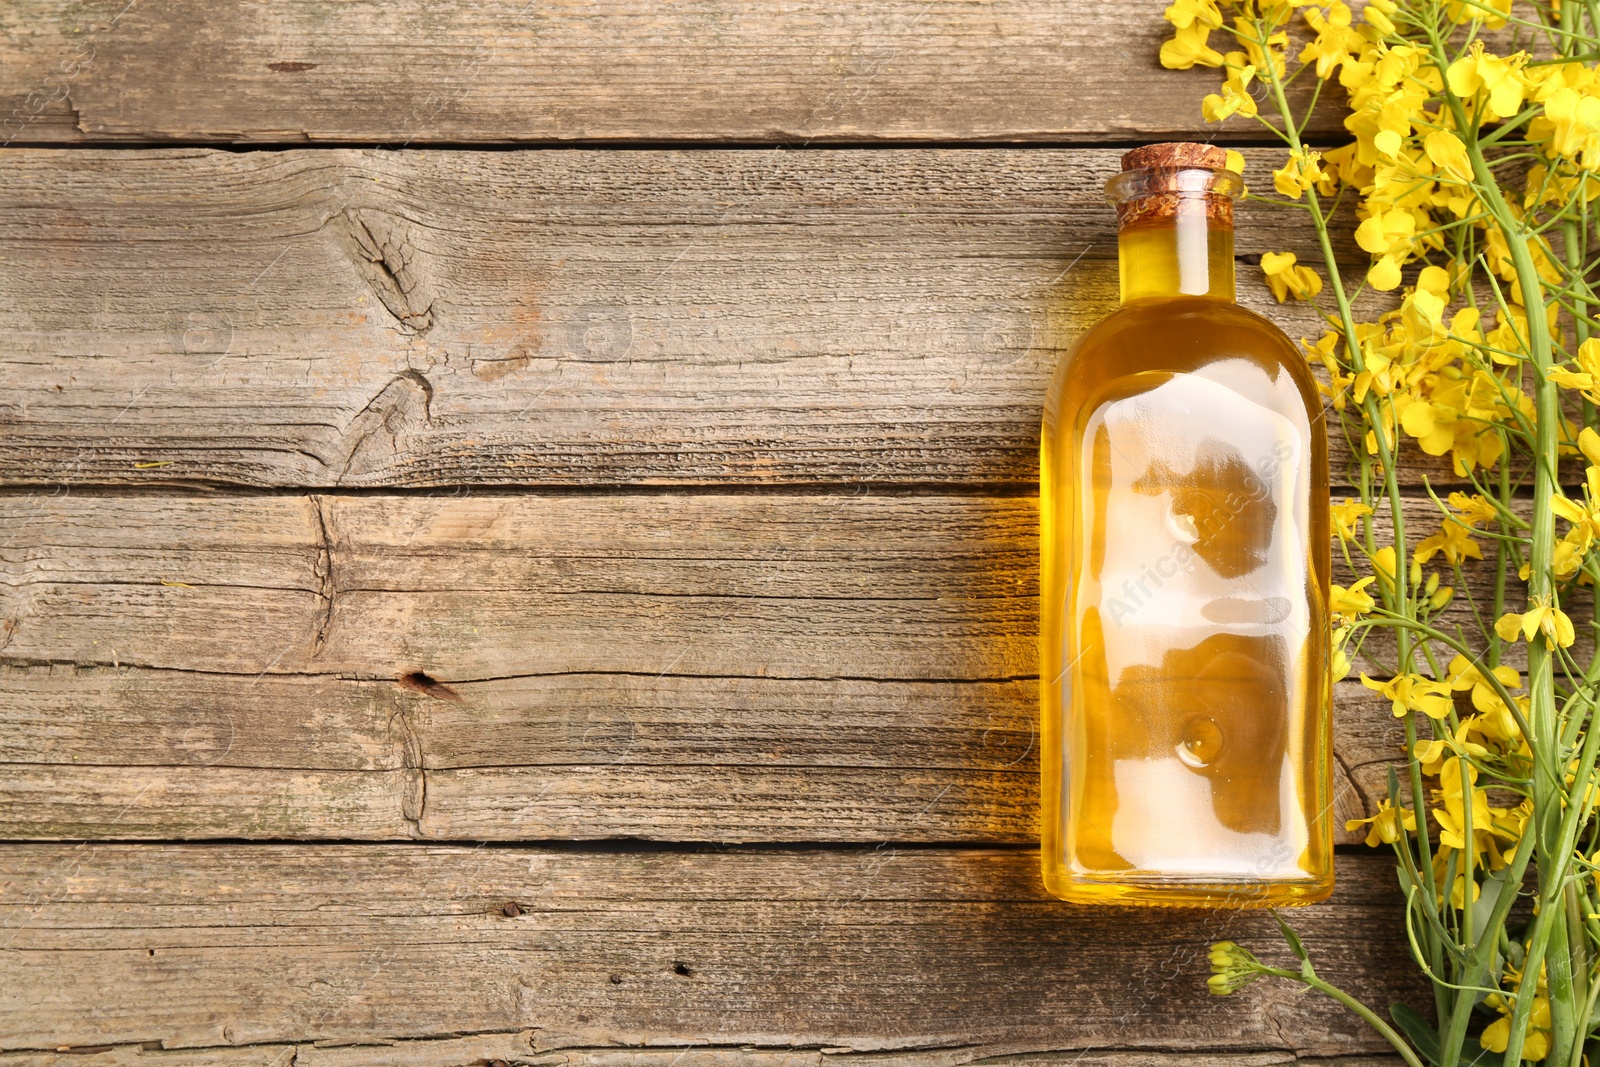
1159, 182
1174, 155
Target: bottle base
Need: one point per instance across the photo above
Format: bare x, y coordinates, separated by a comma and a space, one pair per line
1157, 892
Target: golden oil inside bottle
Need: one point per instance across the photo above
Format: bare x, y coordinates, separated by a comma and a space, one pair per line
1183, 501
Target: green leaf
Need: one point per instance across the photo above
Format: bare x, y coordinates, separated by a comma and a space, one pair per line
1416, 1028
1428, 1042
1293, 938
1295, 945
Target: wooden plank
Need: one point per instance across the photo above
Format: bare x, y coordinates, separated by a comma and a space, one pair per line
861, 950
522, 1048
125, 754
714, 667
512, 71
344, 318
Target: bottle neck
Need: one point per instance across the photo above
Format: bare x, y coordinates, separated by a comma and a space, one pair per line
1181, 254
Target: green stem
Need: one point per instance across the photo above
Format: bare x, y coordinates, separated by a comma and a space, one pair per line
1501, 558
1476, 970
1573, 248
1370, 1017
1548, 786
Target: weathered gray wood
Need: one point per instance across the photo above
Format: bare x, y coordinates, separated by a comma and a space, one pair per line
732, 668
104, 753
486, 586
523, 1050
335, 317
516, 71
858, 949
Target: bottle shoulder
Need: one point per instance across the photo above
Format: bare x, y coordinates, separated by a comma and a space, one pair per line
1195, 322
1184, 334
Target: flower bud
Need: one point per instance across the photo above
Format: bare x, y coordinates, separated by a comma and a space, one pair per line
1232, 967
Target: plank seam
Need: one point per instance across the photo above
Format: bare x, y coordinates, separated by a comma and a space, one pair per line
819, 144
20, 662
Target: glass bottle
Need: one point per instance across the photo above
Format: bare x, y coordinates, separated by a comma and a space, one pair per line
1186, 721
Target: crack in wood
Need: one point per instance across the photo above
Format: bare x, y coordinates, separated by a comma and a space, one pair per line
323, 572
1348, 772
404, 402
534, 1048
379, 247
414, 783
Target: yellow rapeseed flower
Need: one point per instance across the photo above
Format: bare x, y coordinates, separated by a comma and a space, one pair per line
1339, 380
1498, 78
1263, 58
1474, 509
1384, 827
1336, 43
1493, 12
1422, 312
1376, 14
1448, 154
1235, 98
1345, 515
1188, 48
1589, 445
1412, 692
1585, 516
1433, 424
1300, 171
1383, 564
1348, 603
1388, 236
1454, 788
1536, 1046
1185, 13
1585, 520
1464, 675
1341, 658
1232, 968
1454, 540
1541, 617
1286, 279
1587, 377
1570, 126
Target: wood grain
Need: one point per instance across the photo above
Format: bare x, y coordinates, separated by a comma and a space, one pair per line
554, 71
857, 949
131, 754
710, 667
344, 318
521, 1049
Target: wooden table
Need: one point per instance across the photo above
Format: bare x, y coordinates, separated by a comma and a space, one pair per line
520, 540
